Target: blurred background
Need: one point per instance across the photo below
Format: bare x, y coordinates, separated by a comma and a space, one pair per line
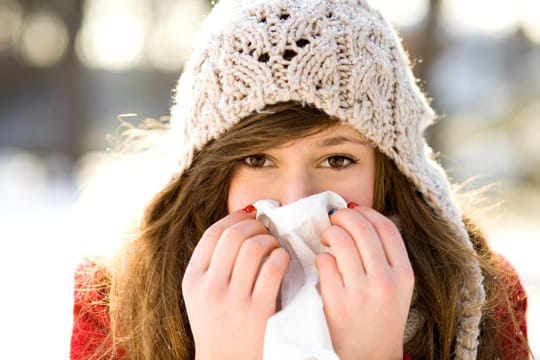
70, 69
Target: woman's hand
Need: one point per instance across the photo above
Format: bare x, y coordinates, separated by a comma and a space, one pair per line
367, 286
231, 285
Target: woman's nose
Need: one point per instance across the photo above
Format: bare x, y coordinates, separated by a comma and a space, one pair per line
296, 186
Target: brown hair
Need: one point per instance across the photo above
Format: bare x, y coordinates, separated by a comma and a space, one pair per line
147, 313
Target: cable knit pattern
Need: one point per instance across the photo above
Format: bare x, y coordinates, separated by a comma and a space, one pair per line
340, 56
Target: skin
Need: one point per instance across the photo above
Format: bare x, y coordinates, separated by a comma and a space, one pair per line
233, 278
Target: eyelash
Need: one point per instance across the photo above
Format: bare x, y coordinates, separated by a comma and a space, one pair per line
246, 160
347, 159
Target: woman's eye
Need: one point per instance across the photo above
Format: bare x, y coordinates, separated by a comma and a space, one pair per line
259, 160
337, 161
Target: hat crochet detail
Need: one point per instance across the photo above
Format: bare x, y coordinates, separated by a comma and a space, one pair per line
339, 56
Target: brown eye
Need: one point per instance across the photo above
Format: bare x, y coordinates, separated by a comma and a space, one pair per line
337, 162
259, 160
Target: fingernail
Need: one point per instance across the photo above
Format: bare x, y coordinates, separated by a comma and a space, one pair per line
249, 209
333, 210
352, 205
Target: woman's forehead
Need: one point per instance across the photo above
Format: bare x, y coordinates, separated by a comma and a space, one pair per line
338, 134
334, 136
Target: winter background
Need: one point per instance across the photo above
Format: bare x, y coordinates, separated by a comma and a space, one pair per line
69, 69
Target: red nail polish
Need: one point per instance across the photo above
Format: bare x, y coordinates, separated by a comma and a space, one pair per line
352, 205
249, 209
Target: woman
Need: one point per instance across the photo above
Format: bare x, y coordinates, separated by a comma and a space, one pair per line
281, 100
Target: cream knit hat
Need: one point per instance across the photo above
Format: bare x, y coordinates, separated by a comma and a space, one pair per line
339, 56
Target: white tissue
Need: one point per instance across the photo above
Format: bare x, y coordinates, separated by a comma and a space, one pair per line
299, 330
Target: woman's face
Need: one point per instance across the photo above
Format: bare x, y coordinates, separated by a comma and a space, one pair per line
338, 159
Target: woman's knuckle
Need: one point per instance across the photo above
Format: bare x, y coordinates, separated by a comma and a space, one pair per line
340, 242
337, 239
363, 226
385, 224
272, 270
210, 289
406, 275
214, 231
187, 284
386, 284
231, 233
254, 247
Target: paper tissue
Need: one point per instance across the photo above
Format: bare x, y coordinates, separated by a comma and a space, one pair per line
299, 330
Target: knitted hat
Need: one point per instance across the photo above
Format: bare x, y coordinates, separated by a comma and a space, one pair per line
339, 56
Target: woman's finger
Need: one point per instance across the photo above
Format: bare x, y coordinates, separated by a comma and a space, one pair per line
391, 240
331, 280
344, 249
228, 246
365, 237
202, 254
251, 256
266, 289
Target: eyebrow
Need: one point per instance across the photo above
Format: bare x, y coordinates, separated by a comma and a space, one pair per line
341, 139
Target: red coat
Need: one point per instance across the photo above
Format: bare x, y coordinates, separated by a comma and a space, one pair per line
90, 313
91, 321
